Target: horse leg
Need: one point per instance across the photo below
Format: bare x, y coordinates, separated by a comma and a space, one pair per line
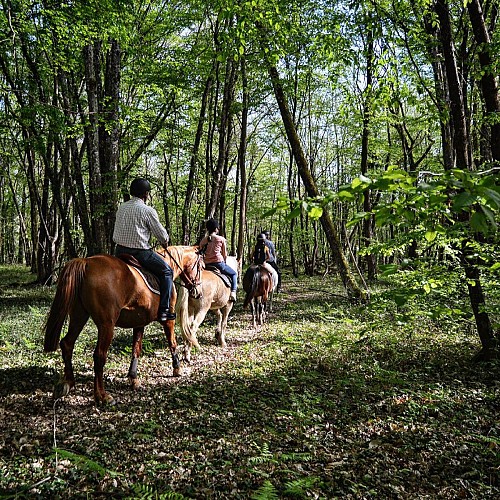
261, 311
169, 329
254, 312
225, 314
136, 352
104, 336
219, 333
77, 321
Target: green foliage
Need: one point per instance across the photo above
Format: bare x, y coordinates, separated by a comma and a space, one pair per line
328, 399
145, 492
434, 205
84, 463
266, 492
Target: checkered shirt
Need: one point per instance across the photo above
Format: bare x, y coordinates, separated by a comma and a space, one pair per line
135, 223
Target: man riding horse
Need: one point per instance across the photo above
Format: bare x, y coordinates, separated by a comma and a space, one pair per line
135, 223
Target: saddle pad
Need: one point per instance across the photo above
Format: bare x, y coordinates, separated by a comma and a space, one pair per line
149, 278
225, 279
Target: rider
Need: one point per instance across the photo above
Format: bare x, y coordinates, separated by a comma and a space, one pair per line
261, 252
216, 254
135, 223
262, 256
273, 259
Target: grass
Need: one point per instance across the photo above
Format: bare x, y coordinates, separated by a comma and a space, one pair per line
329, 400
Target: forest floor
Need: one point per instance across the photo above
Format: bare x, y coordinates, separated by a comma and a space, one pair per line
328, 400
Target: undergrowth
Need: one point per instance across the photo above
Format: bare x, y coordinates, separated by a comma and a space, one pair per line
329, 400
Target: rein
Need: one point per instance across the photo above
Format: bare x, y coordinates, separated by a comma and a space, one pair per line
189, 284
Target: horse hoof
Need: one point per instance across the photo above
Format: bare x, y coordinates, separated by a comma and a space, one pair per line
134, 383
61, 389
177, 372
107, 400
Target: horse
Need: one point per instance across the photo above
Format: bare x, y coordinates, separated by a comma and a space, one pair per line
112, 293
258, 283
211, 294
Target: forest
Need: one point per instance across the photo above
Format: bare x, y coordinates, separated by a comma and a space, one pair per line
365, 136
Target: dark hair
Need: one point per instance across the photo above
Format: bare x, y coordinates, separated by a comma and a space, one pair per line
266, 233
212, 225
139, 187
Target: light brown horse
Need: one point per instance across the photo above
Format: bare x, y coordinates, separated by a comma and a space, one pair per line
258, 284
212, 294
112, 293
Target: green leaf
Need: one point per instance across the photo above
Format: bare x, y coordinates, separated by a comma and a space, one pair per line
491, 196
346, 195
388, 269
490, 216
478, 222
401, 299
270, 213
315, 212
430, 236
464, 199
295, 212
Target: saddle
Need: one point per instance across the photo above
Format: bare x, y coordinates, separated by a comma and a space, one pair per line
152, 282
225, 279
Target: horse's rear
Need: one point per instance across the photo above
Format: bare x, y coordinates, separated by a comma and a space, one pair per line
258, 285
98, 287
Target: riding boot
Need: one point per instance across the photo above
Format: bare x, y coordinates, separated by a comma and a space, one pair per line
165, 316
232, 297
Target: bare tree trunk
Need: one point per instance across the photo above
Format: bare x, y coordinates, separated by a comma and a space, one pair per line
102, 136
352, 287
217, 181
186, 229
109, 135
461, 146
367, 202
241, 163
489, 83
93, 83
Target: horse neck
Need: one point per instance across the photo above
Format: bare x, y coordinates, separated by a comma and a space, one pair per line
177, 259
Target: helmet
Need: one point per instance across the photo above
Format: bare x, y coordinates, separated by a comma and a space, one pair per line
139, 187
266, 233
261, 237
212, 225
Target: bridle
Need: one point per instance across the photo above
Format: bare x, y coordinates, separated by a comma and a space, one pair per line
187, 281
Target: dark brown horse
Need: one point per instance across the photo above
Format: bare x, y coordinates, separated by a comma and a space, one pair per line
258, 284
211, 295
112, 293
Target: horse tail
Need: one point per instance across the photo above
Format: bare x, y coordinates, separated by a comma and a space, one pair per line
68, 286
185, 323
254, 287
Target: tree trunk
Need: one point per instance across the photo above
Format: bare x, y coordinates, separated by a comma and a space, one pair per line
186, 228
461, 146
352, 287
242, 164
109, 137
489, 84
217, 181
367, 230
94, 90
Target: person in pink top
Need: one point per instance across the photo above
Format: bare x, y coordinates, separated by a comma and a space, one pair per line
216, 254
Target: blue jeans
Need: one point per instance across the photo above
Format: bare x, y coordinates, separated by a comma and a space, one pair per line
151, 261
229, 271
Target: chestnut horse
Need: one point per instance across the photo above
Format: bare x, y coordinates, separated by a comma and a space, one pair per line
258, 284
112, 293
212, 294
